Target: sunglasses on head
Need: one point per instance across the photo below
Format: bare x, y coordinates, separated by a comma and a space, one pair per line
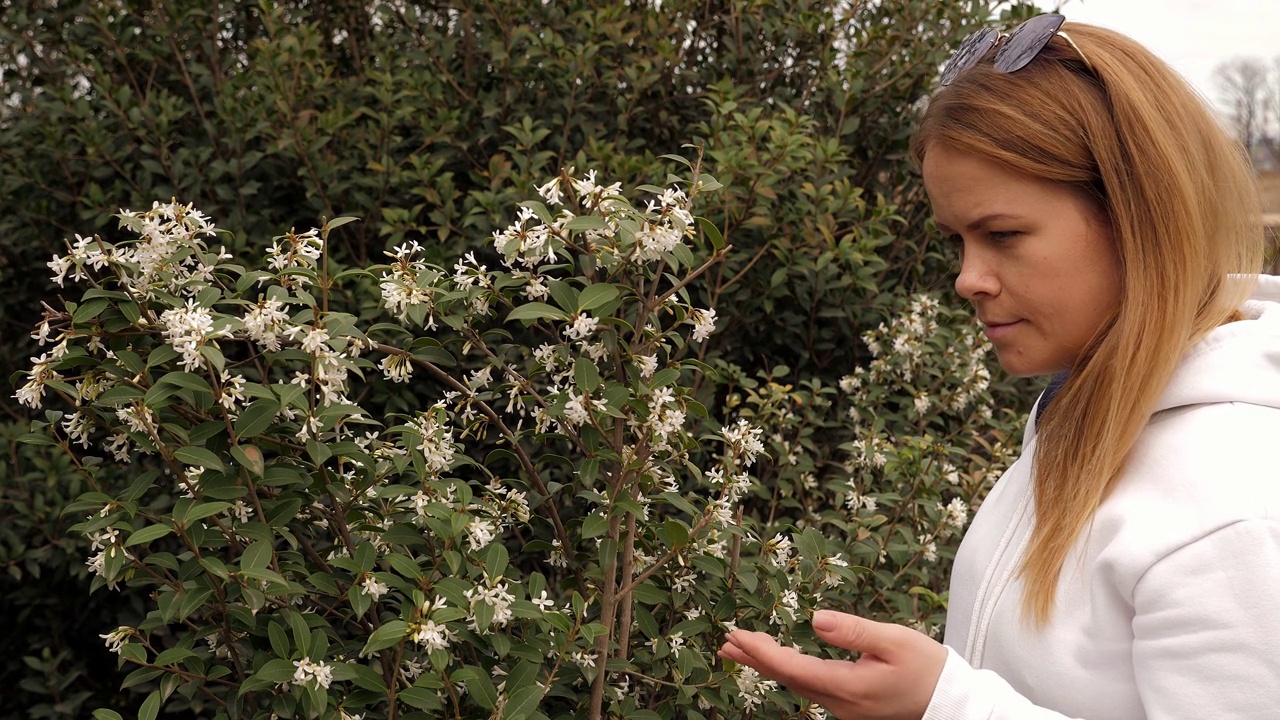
1016, 49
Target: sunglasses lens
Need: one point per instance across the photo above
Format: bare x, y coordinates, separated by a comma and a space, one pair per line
1026, 41
970, 52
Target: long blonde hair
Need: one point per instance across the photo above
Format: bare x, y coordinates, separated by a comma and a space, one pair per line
1182, 204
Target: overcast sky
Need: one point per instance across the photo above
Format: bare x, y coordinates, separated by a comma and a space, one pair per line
1193, 36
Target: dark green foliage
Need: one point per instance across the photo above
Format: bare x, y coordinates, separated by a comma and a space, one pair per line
430, 121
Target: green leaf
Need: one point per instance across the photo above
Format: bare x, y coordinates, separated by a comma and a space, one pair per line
479, 684
495, 560
318, 451
663, 377
421, 698
251, 458
585, 374
339, 222
214, 356
384, 637
674, 533
89, 310
536, 311
403, 565
255, 418
593, 296
173, 655
586, 222
104, 714
365, 677
257, 556
147, 534
279, 639
192, 455
712, 232
594, 526
203, 510
36, 439
366, 556
150, 707
261, 574
139, 486
521, 704
276, 671
192, 601
186, 380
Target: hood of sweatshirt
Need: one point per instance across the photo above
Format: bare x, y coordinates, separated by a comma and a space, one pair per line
1237, 362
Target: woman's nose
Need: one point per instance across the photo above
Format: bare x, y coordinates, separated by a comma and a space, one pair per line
976, 277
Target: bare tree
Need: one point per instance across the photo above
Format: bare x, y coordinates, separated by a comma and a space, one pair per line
1244, 85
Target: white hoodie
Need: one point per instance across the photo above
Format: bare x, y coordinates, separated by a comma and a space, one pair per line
1169, 605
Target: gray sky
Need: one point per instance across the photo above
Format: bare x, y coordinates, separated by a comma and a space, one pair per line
1193, 36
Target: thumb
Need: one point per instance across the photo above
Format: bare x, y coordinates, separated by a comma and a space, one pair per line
856, 633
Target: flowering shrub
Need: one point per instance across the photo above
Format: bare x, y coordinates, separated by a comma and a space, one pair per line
501, 498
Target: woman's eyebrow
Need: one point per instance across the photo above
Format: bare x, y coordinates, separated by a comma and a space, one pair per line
976, 224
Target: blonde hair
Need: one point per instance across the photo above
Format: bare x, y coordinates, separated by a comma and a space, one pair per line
1181, 202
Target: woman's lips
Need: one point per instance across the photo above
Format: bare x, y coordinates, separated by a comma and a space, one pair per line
995, 331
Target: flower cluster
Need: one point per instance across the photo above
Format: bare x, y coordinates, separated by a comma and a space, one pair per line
316, 472
307, 672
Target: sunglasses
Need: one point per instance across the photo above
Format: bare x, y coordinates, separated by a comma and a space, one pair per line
1016, 49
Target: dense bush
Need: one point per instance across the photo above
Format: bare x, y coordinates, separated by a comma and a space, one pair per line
563, 530
431, 124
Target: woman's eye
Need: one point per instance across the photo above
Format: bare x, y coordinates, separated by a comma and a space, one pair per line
1002, 235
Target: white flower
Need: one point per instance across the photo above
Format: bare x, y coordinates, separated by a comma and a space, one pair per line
930, 550
437, 443
551, 192
307, 671
955, 514
188, 329
850, 383
704, 323
575, 409
752, 687
373, 588
495, 597
676, 641
265, 323
396, 367
779, 550
32, 392
582, 327
529, 245
654, 240
481, 378
542, 601
648, 364
232, 390
921, 403
118, 445
117, 638
295, 250
583, 658
432, 636
60, 266
743, 440
684, 580
316, 340
480, 533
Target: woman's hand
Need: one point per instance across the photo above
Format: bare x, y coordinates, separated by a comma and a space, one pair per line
892, 680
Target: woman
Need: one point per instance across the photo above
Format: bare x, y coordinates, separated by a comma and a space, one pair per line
1128, 565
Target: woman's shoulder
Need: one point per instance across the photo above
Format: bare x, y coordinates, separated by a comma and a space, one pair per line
1194, 471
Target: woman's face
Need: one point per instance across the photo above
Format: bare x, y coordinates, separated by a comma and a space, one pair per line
1039, 265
